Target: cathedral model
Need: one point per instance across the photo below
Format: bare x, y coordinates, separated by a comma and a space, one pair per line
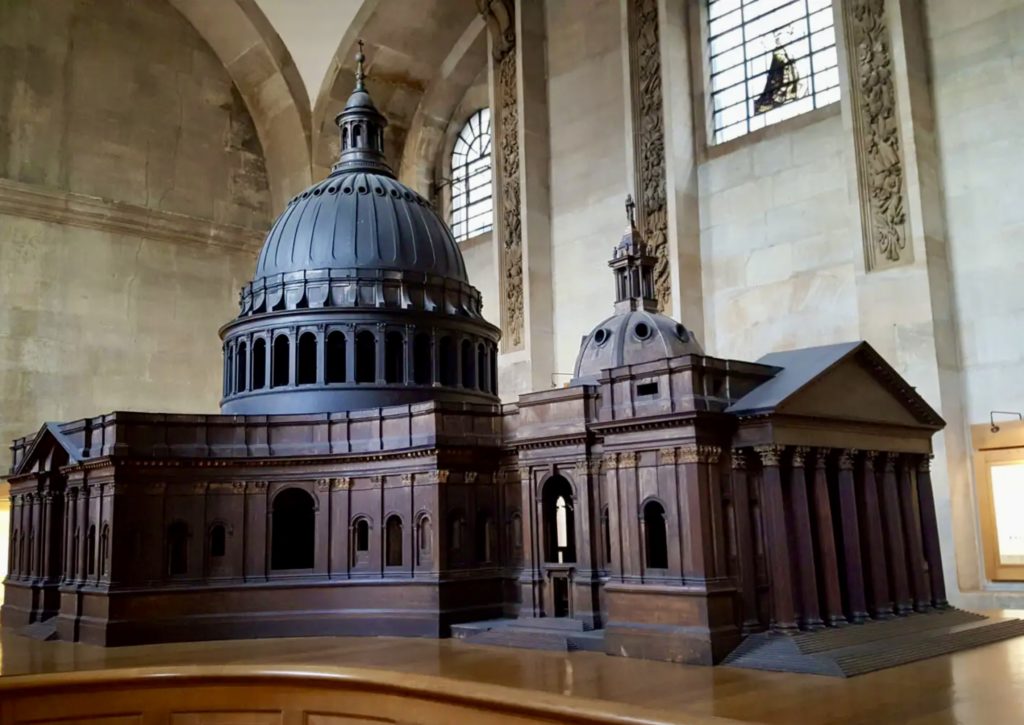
364, 479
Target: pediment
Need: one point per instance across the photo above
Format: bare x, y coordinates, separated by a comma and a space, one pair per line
48, 446
841, 382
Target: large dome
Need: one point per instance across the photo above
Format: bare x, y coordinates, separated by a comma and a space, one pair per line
360, 221
360, 297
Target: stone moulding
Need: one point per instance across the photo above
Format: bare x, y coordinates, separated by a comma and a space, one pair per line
879, 151
649, 139
67, 208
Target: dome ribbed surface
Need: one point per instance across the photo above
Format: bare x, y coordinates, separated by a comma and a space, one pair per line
631, 338
361, 221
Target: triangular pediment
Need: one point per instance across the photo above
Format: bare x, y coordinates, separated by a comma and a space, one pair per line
841, 382
48, 445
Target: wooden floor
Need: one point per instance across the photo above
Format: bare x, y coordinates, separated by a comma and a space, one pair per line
985, 685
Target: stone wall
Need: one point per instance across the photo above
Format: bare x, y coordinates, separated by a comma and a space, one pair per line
589, 174
775, 217
978, 86
132, 202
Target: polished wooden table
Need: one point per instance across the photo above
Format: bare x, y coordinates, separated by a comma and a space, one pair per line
984, 685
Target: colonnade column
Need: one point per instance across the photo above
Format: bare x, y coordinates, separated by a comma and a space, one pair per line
773, 506
745, 540
930, 533
810, 611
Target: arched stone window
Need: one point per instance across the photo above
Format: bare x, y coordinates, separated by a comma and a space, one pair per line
393, 541
655, 537
177, 549
335, 358
394, 357
472, 204
360, 541
447, 362
259, 364
105, 550
218, 541
241, 367
305, 366
366, 357
90, 550
280, 368
468, 365
293, 530
422, 364
559, 523
424, 534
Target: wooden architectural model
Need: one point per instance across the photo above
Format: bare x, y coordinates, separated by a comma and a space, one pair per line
363, 477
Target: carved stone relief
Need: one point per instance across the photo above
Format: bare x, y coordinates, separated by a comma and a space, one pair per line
649, 139
500, 18
880, 163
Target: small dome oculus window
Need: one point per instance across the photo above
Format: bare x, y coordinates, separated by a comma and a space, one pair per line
642, 331
601, 336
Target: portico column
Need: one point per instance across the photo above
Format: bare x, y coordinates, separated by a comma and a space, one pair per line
745, 541
780, 573
810, 610
827, 559
895, 545
879, 598
523, 207
853, 569
930, 533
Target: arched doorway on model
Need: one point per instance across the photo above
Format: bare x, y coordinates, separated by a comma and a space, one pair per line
558, 508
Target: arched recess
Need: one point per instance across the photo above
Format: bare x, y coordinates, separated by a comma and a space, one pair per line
411, 66
265, 74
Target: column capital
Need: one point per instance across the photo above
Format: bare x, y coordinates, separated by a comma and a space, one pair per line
847, 458
924, 463
738, 459
769, 454
800, 454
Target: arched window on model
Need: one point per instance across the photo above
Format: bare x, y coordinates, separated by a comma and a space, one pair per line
655, 537
481, 367
218, 541
177, 549
606, 534
448, 364
422, 365
360, 544
241, 367
366, 357
559, 523
423, 540
293, 528
259, 364
394, 357
486, 541
335, 358
494, 370
105, 550
280, 368
468, 365
306, 363
90, 551
393, 541
472, 205
456, 534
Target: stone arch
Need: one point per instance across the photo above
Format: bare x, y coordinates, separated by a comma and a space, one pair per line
265, 75
411, 65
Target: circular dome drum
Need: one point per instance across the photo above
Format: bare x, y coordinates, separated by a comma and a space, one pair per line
360, 297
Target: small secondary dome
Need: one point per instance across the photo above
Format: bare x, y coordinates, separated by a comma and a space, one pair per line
637, 332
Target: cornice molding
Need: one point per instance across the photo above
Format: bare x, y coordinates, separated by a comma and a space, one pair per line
29, 201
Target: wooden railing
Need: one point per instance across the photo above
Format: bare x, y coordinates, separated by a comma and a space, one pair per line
253, 695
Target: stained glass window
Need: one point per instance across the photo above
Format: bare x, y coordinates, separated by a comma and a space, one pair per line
769, 60
472, 205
